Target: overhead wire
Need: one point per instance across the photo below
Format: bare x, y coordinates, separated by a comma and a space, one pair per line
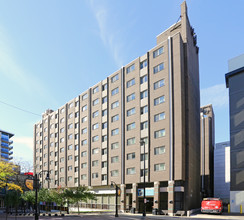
21, 109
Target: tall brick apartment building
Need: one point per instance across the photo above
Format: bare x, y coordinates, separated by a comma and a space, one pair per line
95, 138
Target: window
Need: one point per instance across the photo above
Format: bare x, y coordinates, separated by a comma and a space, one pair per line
83, 154
45, 138
115, 159
144, 125
115, 145
142, 156
83, 165
131, 126
131, 141
144, 94
76, 114
143, 79
160, 133
61, 130
158, 68
145, 139
130, 68
84, 142
85, 96
71, 105
84, 119
131, 156
70, 115
62, 159
104, 138
158, 84
95, 163
70, 147
61, 140
104, 125
95, 114
95, 138
104, 177
70, 136
77, 103
76, 180
131, 171
131, 111
95, 126
76, 147
70, 157
95, 102
115, 78
159, 150
115, 105
70, 126
114, 132
95, 90
104, 99
159, 100
62, 110
159, 117
114, 173
94, 175
104, 151
131, 83
104, 164
144, 109
51, 153
61, 179
142, 172
158, 52
104, 87
83, 177
159, 167
76, 136
143, 64
84, 131
69, 178
69, 168
115, 118
131, 97
84, 108
104, 112
95, 151
115, 91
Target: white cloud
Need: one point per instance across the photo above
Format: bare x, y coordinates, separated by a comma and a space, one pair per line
216, 95
26, 141
109, 36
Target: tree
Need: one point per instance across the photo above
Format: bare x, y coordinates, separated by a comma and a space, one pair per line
82, 193
7, 173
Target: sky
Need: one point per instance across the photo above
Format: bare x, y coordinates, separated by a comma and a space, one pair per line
52, 51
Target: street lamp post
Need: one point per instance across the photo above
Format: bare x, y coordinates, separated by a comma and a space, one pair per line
36, 186
116, 198
144, 180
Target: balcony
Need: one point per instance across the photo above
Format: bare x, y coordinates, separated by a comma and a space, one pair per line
10, 152
4, 150
10, 158
4, 144
4, 155
10, 148
10, 142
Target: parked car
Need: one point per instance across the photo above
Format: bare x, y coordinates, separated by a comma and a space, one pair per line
212, 205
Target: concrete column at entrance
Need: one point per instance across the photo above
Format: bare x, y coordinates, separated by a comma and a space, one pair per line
171, 198
135, 203
156, 195
123, 197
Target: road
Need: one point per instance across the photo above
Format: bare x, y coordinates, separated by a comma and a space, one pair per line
108, 216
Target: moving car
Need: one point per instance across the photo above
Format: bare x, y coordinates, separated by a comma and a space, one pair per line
212, 205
